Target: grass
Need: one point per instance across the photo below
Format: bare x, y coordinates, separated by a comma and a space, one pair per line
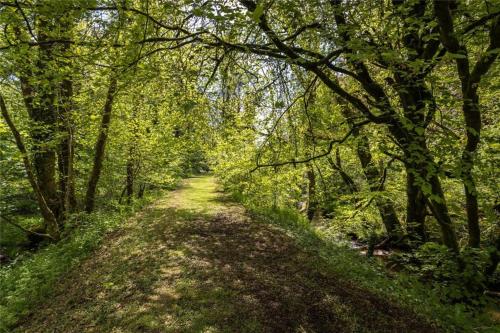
198, 194
192, 262
135, 283
370, 274
30, 280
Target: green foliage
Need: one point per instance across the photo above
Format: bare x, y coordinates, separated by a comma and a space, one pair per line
324, 109
455, 279
401, 287
31, 279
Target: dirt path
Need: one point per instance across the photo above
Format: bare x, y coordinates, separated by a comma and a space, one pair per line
191, 263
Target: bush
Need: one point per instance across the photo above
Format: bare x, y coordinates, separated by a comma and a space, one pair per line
455, 279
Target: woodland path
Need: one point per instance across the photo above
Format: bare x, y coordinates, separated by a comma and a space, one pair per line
192, 262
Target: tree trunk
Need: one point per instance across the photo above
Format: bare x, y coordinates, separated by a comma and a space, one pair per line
40, 76
45, 166
470, 77
100, 145
373, 176
440, 211
472, 118
348, 181
52, 226
494, 258
415, 210
420, 163
65, 153
140, 193
66, 148
130, 179
40, 102
312, 204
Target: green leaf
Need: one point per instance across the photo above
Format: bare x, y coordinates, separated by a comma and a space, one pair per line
419, 130
472, 131
457, 56
279, 104
257, 13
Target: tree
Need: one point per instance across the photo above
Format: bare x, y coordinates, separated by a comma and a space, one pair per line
100, 144
412, 27
470, 79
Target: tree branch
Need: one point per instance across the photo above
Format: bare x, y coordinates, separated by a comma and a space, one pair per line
327, 152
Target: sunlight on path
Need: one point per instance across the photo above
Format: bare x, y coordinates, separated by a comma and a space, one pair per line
197, 194
194, 263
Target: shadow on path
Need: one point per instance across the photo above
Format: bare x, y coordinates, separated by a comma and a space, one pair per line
212, 269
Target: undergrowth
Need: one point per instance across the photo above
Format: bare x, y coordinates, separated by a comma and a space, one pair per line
370, 274
32, 277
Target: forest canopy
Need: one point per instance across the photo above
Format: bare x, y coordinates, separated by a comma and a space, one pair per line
377, 121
